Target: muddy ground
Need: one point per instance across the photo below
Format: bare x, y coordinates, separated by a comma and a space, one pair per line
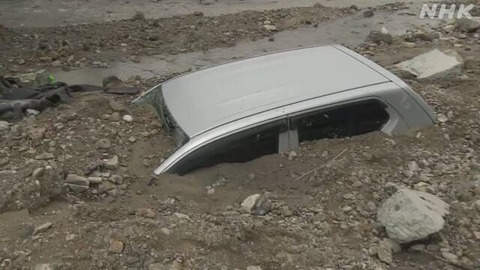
322, 217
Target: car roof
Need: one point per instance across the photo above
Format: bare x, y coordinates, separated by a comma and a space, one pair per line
206, 99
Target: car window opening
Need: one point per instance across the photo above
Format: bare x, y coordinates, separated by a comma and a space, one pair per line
340, 122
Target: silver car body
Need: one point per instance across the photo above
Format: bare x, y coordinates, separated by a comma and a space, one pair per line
219, 101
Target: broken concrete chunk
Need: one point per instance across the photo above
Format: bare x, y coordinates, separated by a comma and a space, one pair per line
412, 215
433, 65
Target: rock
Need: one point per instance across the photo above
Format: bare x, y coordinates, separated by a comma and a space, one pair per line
292, 155
42, 228
103, 144
286, 211
36, 134
116, 246
467, 25
368, 13
146, 212
95, 180
181, 216
4, 125
417, 248
433, 65
77, 188
412, 215
477, 205
116, 179
263, 206
105, 187
128, 118
380, 36
32, 79
57, 63
44, 156
112, 164
254, 267
77, 180
270, 27
384, 253
248, 205
45, 266
139, 16
32, 112
394, 245
38, 172
450, 256
207, 2
112, 81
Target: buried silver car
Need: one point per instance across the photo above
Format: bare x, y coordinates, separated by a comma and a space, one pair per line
268, 104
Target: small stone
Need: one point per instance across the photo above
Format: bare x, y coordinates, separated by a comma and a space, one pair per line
146, 212
394, 245
139, 16
112, 164
357, 184
42, 228
368, 13
211, 191
44, 266
292, 155
111, 81
249, 203
181, 216
450, 256
380, 36
128, 118
115, 117
442, 118
251, 176
4, 125
384, 253
116, 179
286, 211
103, 144
77, 188
263, 206
349, 196
417, 248
44, 156
31, 112
38, 172
77, 180
95, 180
270, 27
477, 205
254, 267
105, 187
36, 133
116, 246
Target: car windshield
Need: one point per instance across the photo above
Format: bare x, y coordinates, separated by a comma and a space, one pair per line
155, 98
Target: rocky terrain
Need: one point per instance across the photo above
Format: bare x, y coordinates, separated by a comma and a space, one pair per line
78, 190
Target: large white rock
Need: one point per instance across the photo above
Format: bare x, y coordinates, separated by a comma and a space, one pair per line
433, 65
412, 215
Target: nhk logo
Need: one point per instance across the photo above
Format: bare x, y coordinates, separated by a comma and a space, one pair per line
463, 11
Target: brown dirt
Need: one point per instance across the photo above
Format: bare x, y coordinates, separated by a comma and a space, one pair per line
319, 233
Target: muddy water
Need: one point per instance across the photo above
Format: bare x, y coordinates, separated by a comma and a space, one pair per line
40, 13
349, 31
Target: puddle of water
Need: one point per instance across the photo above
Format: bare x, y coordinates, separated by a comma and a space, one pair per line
349, 31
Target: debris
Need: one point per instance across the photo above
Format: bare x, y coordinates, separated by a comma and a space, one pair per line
254, 267
32, 79
146, 212
248, 204
433, 65
384, 253
412, 215
103, 144
44, 156
270, 27
111, 81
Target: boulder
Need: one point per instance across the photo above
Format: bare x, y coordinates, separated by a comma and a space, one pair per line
410, 215
433, 65
467, 25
